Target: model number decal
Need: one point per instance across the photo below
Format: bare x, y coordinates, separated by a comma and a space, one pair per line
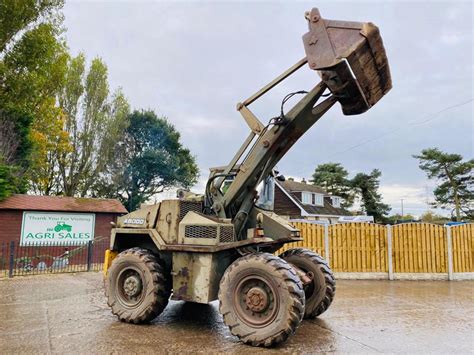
134, 221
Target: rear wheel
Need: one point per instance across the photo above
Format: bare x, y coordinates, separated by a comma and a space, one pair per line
261, 299
137, 288
320, 291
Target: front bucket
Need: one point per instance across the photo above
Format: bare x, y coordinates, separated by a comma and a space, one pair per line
351, 60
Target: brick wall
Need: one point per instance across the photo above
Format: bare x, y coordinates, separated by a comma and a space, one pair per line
10, 225
102, 224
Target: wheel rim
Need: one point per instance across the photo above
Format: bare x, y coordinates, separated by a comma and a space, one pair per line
130, 287
256, 301
310, 287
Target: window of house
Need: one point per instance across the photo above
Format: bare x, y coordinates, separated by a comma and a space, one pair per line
306, 197
318, 199
310, 198
336, 201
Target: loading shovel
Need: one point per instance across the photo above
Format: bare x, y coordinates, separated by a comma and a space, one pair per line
351, 60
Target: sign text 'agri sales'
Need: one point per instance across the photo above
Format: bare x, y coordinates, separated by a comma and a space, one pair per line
57, 227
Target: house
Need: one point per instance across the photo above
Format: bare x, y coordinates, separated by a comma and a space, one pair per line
300, 200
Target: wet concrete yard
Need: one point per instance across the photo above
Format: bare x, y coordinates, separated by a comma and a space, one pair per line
67, 314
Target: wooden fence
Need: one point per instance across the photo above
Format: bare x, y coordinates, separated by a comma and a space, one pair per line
403, 249
419, 248
463, 248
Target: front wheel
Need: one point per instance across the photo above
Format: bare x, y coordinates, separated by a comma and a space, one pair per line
261, 299
320, 291
137, 287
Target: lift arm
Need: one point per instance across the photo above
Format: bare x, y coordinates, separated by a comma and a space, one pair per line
269, 147
351, 61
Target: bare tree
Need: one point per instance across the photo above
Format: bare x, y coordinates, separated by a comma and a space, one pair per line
8, 141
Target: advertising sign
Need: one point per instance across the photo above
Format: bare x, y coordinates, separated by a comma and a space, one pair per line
57, 227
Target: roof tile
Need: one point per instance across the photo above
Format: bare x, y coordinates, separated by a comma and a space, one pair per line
61, 203
294, 186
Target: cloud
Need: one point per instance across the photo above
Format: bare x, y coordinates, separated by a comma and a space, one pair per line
411, 194
453, 38
192, 62
416, 198
200, 125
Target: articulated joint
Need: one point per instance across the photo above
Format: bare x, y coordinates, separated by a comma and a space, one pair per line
253, 122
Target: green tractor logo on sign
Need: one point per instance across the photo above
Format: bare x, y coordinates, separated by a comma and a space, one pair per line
61, 226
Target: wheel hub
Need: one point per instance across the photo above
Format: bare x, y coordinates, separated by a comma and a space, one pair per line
257, 299
132, 286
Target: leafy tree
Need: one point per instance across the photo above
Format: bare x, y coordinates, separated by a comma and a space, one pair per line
32, 63
148, 159
94, 121
395, 218
36, 69
334, 179
14, 150
367, 186
15, 145
50, 140
431, 217
455, 177
20, 15
33, 69
9, 181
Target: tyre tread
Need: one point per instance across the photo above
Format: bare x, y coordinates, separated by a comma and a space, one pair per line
288, 276
319, 261
159, 293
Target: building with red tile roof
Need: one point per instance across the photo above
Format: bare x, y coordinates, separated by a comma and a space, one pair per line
14, 209
62, 203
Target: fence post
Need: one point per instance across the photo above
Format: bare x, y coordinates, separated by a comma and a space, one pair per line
89, 255
390, 252
326, 242
12, 259
449, 241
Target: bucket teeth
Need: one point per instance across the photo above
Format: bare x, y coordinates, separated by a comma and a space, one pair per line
351, 60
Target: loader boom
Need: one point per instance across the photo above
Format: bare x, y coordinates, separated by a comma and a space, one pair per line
351, 60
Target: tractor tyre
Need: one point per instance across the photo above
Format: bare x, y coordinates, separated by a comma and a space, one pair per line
261, 299
137, 288
320, 291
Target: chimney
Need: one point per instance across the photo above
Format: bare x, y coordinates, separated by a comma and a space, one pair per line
303, 181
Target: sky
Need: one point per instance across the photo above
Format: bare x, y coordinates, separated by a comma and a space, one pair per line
193, 61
